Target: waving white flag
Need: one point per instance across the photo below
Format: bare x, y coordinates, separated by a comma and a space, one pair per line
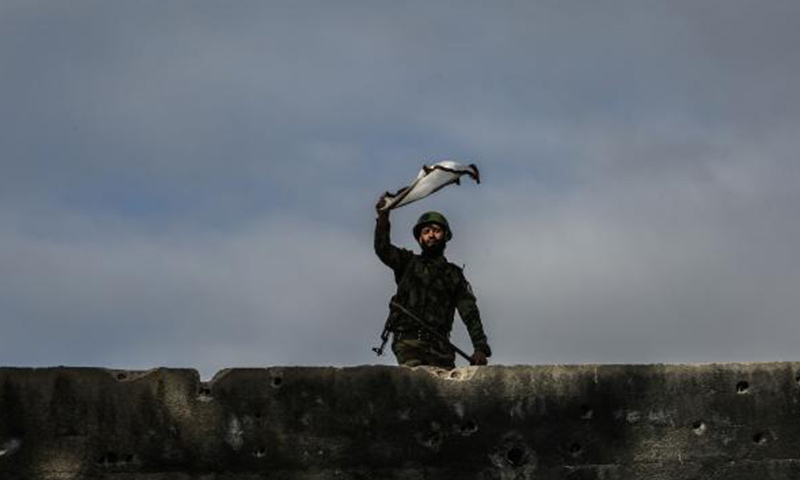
430, 180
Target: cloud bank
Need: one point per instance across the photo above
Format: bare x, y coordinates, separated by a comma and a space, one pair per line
192, 184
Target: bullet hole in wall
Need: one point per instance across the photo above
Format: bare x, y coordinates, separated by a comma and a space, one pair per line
516, 456
742, 387
699, 427
469, 427
587, 412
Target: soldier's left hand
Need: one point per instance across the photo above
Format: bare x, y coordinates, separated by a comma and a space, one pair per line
478, 358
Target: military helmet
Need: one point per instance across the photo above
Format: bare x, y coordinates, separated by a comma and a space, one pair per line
433, 217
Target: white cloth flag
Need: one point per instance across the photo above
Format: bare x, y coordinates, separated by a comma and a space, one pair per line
430, 180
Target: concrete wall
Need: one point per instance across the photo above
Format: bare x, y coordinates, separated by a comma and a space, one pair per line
727, 421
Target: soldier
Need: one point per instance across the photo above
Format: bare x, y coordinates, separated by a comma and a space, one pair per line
432, 289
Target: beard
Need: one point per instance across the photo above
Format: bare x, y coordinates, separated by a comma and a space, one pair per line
433, 250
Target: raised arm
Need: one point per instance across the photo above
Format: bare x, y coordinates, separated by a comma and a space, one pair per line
393, 257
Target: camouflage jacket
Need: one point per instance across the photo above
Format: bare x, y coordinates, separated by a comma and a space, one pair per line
430, 287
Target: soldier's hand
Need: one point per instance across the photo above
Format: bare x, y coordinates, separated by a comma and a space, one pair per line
380, 203
478, 358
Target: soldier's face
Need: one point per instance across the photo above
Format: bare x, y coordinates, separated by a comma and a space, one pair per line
431, 235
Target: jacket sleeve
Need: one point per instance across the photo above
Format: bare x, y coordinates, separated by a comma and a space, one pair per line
393, 257
469, 313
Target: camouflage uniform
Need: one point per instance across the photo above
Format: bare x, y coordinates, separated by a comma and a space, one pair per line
432, 288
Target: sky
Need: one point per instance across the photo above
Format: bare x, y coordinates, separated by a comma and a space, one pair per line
192, 183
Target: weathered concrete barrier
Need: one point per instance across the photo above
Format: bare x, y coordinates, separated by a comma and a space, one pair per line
727, 421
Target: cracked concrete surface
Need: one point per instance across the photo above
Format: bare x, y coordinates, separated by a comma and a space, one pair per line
692, 422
